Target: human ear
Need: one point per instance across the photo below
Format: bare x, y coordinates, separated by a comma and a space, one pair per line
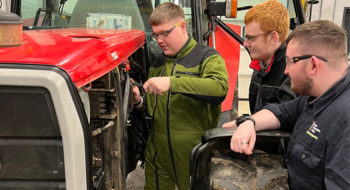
274, 37
183, 26
315, 65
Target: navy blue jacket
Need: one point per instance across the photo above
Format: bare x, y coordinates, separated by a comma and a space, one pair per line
318, 154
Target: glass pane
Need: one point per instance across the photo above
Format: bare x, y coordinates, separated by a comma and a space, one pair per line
29, 9
85, 13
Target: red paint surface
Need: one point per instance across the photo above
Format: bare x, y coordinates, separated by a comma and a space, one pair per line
229, 49
85, 54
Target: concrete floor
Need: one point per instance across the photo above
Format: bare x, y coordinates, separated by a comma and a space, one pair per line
136, 179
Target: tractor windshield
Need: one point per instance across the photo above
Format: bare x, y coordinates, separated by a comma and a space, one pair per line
102, 14
121, 14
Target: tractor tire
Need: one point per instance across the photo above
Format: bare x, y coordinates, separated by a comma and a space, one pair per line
260, 171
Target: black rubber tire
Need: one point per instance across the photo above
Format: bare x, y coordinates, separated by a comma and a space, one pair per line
260, 171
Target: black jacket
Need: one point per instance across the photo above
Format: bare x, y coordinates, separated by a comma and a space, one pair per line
272, 85
318, 154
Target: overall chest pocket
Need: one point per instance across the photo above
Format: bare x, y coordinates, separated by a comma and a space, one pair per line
305, 154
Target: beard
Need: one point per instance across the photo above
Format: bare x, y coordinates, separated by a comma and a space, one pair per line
301, 85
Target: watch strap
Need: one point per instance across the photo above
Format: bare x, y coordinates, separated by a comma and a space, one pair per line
244, 118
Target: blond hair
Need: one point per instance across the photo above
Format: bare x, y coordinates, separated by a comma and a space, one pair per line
165, 12
272, 16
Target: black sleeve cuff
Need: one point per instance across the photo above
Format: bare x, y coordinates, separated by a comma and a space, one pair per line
276, 110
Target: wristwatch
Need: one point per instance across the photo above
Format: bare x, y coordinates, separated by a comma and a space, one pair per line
244, 118
138, 103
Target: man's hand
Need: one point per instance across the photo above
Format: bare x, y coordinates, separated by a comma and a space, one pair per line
229, 124
137, 99
243, 139
136, 94
157, 85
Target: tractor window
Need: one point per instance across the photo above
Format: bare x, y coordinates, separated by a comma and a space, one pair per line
46, 13
29, 9
104, 14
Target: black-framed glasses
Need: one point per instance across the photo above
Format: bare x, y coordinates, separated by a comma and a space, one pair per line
165, 33
293, 60
252, 38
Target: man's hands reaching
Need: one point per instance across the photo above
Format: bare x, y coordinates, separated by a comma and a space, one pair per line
157, 85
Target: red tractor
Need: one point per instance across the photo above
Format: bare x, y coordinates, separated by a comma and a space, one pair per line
67, 118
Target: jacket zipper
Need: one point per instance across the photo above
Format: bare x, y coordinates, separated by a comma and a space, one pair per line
168, 126
153, 113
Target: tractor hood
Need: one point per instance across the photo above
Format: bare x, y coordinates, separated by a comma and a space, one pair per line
85, 54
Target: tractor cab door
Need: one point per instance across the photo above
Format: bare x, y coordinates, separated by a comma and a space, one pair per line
44, 130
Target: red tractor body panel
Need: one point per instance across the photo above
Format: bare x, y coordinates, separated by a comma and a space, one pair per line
229, 49
85, 54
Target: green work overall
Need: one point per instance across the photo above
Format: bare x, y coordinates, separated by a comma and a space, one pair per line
198, 85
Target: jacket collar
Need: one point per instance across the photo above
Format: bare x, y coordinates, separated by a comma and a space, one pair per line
279, 54
320, 103
186, 48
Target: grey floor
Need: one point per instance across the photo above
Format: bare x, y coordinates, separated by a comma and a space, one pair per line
136, 179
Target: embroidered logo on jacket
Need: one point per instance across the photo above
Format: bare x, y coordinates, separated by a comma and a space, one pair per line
313, 131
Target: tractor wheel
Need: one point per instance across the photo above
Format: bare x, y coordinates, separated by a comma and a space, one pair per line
260, 172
